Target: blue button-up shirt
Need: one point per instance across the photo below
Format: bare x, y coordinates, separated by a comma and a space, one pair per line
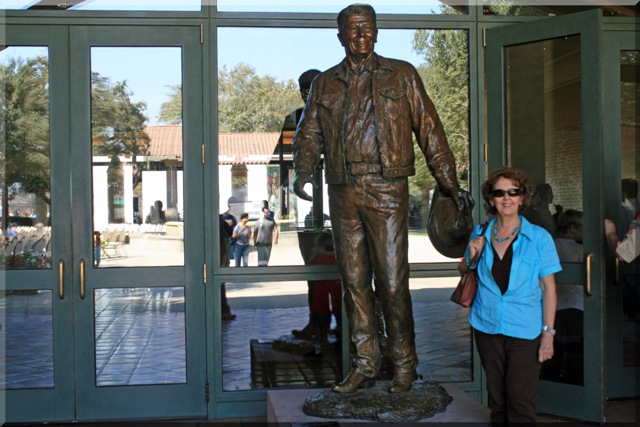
517, 313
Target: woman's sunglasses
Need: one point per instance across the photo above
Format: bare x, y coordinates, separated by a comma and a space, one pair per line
512, 192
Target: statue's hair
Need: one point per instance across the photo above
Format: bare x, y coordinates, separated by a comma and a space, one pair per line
357, 9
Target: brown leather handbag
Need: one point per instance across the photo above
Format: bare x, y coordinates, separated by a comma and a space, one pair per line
465, 292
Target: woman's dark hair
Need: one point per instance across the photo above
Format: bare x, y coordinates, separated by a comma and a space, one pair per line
515, 175
244, 215
357, 9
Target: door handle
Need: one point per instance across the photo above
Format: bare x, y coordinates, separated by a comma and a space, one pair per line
61, 279
617, 261
82, 278
588, 265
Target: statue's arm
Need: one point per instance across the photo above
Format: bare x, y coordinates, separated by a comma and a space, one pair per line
307, 147
432, 139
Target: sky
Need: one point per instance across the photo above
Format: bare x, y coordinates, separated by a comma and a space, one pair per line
281, 53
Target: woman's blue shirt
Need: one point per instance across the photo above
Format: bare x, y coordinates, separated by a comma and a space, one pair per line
517, 313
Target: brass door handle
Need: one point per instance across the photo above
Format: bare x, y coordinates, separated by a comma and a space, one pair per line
61, 279
588, 265
82, 279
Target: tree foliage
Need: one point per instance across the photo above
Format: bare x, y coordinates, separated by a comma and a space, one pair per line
171, 110
24, 100
248, 102
445, 74
118, 125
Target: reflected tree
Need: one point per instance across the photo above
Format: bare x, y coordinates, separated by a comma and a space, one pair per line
445, 74
24, 133
117, 125
248, 102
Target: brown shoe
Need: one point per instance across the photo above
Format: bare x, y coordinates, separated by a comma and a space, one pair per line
353, 382
402, 382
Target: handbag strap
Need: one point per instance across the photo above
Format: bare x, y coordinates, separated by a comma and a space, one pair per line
473, 262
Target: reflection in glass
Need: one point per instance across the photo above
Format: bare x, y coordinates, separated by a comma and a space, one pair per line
630, 172
511, 8
138, 206
270, 314
138, 5
544, 139
258, 88
26, 340
140, 336
25, 210
324, 6
258, 348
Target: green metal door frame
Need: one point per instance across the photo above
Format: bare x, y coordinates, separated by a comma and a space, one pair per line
585, 403
44, 404
148, 401
621, 381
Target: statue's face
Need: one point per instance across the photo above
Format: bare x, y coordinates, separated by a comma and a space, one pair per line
358, 35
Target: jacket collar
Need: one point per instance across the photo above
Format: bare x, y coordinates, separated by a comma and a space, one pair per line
373, 64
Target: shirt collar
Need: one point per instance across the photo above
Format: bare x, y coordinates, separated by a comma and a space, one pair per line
371, 64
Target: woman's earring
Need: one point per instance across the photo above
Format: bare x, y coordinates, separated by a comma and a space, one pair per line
492, 205
520, 203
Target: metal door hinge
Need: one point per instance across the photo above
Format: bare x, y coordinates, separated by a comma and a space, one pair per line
486, 153
204, 273
206, 392
484, 37
201, 34
203, 154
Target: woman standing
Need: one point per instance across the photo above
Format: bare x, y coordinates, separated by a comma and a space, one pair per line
514, 309
242, 234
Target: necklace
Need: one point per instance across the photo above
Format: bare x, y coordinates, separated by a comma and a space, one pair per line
499, 240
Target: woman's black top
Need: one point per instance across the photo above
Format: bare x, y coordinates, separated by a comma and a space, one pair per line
501, 268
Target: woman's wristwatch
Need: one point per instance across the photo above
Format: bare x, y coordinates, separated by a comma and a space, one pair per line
549, 330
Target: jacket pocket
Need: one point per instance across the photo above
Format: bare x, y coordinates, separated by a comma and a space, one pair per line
331, 101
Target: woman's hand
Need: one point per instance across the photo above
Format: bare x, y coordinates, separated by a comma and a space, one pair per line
462, 267
545, 352
475, 246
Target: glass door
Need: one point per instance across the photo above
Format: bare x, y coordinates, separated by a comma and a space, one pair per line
622, 59
137, 222
544, 117
36, 306
102, 220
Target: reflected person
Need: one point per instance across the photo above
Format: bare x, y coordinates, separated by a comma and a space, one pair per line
361, 115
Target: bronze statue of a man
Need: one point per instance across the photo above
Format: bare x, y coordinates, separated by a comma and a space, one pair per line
360, 116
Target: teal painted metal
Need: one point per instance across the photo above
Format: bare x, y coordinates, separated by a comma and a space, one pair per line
585, 403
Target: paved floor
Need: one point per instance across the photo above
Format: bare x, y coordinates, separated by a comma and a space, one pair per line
139, 340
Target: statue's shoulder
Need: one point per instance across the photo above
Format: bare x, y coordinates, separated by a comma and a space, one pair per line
395, 64
330, 73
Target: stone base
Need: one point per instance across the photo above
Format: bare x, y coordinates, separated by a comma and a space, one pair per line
285, 406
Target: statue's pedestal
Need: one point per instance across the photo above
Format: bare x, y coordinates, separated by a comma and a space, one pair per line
285, 406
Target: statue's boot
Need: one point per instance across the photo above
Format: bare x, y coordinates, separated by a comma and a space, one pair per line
353, 382
402, 382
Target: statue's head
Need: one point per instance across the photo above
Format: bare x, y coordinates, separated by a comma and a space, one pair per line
357, 29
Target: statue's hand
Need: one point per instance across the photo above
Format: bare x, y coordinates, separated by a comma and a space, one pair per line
463, 199
298, 182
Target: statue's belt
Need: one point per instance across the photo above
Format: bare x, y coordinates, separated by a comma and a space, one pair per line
364, 168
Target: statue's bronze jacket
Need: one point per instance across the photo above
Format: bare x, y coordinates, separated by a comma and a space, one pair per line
401, 106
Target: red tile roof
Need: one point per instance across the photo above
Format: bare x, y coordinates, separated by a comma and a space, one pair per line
234, 148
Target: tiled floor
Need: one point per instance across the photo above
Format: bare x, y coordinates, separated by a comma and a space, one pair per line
444, 354
135, 329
